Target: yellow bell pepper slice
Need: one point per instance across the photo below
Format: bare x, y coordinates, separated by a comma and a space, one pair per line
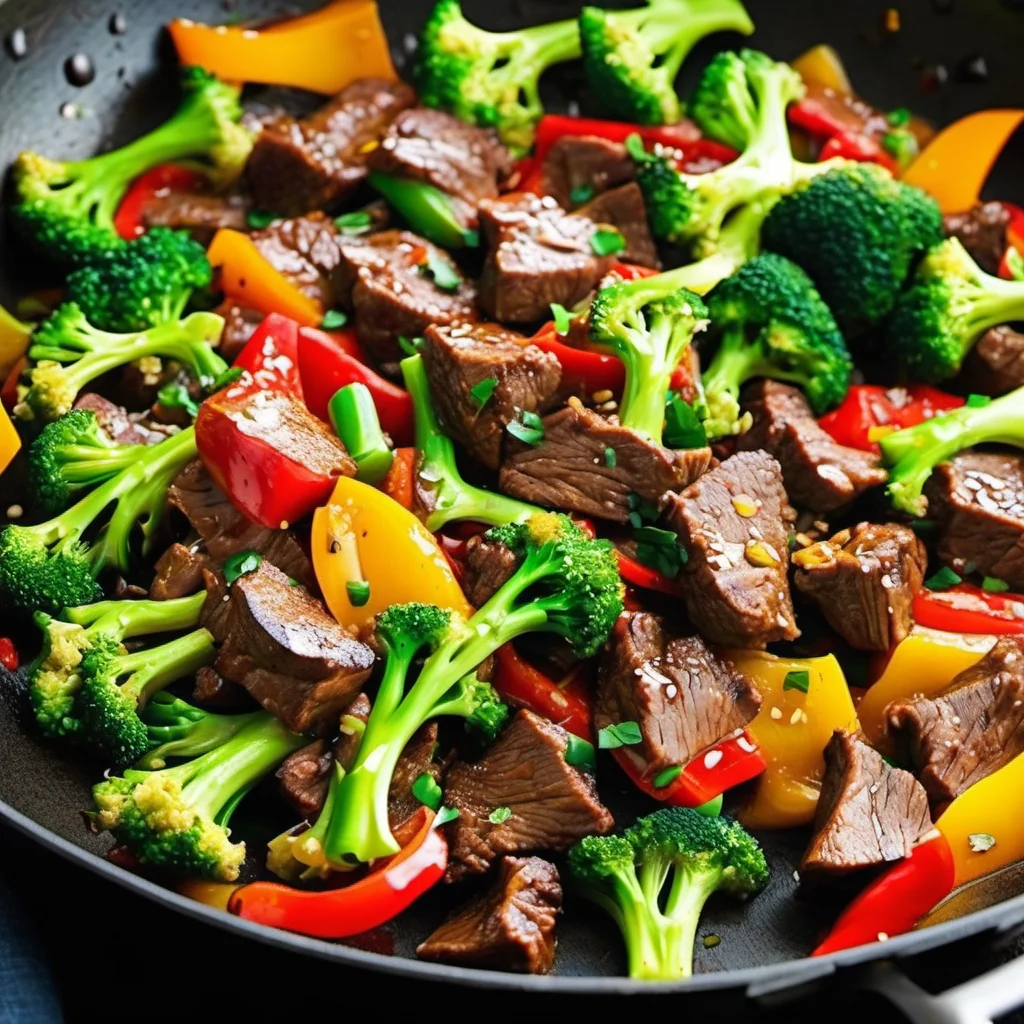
821, 65
363, 537
248, 279
791, 730
924, 664
322, 52
10, 440
14, 336
954, 166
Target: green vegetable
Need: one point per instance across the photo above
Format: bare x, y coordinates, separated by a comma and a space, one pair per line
240, 564
623, 734
607, 242
667, 776
354, 418
943, 579
499, 815
683, 426
527, 427
562, 318
797, 680
611, 460
441, 272
580, 753
427, 209
333, 320
358, 592
660, 549
355, 223
260, 219
177, 396
992, 585
580, 194
481, 393
427, 791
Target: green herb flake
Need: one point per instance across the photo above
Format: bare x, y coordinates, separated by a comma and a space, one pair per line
683, 427
977, 401
499, 815
176, 396
992, 585
668, 776
482, 392
562, 318
1015, 263
981, 842
241, 563
611, 460
580, 753
607, 242
229, 376
259, 219
444, 815
624, 734
660, 549
410, 346
898, 118
943, 579
427, 791
354, 223
358, 592
798, 680
527, 427
333, 320
441, 272
580, 194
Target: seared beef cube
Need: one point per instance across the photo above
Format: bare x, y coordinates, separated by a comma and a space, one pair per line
623, 208
299, 166
571, 470
200, 214
972, 729
216, 611
579, 167
982, 230
118, 424
995, 365
489, 566
552, 804
869, 813
289, 653
683, 698
735, 583
458, 359
464, 162
864, 580
211, 688
537, 254
820, 474
386, 279
511, 927
306, 251
239, 326
978, 500
417, 759
178, 573
304, 777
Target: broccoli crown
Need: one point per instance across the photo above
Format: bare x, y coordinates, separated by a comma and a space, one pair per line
597, 860
410, 627
142, 284
478, 703
950, 304
489, 79
40, 574
54, 678
858, 233
722, 102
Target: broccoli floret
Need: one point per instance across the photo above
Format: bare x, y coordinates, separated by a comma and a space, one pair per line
177, 818
649, 327
450, 498
859, 234
68, 353
142, 284
51, 566
950, 304
914, 452
67, 208
655, 879
631, 58
773, 324
490, 79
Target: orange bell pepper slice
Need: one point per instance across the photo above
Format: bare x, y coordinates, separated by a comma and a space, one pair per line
248, 279
10, 441
322, 52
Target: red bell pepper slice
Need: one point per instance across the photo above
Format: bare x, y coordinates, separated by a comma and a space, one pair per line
163, 179
566, 703
271, 355
356, 908
969, 609
896, 901
868, 407
645, 577
327, 363
8, 654
838, 137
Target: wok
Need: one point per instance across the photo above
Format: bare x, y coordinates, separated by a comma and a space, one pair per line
764, 945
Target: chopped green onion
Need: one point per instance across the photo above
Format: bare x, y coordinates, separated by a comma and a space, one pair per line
562, 318
943, 579
333, 319
259, 219
607, 242
482, 392
683, 427
624, 734
444, 815
667, 776
528, 427
427, 791
798, 680
353, 223
358, 592
354, 417
978, 401
410, 346
580, 753
176, 396
994, 586
241, 563
660, 549
711, 808
441, 272
499, 815
898, 118
610, 458
580, 194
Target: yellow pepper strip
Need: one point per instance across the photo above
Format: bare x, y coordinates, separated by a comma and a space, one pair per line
322, 52
924, 664
14, 337
821, 65
251, 281
989, 810
955, 165
363, 537
10, 441
792, 729
213, 894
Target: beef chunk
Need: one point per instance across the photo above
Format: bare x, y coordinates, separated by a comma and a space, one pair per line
864, 580
306, 251
289, 653
820, 474
970, 730
304, 777
385, 280
457, 359
299, 166
179, 572
216, 612
200, 214
464, 162
735, 584
983, 233
553, 804
537, 254
511, 927
489, 566
623, 208
869, 813
569, 469
118, 424
978, 500
682, 696
417, 759
239, 326
579, 167
211, 688
995, 365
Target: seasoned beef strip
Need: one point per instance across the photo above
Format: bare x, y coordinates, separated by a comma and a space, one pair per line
289, 653
200, 214
869, 813
216, 612
306, 251
118, 424
489, 565
458, 359
982, 230
972, 729
571, 470
681, 695
537, 254
239, 326
386, 280
864, 580
511, 927
299, 166
735, 583
553, 804
623, 208
179, 572
995, 365
579, 167
820, 474
978, 500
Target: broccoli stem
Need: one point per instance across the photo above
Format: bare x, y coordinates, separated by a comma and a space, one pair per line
534, 50
686, 898
184, 731
998, 302
427, 209
138, 618
151, 670
630, 911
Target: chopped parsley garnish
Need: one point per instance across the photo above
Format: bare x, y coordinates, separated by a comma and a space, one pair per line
240, 564
176, 396
624, 734
683, 427
977, 401
611, 460
229, 376
353, 223
994, 586
943, 579
660, 549
606, 242
562, 318
527, 427
427, 791
482, 392
580, 194
667, 776
898, 118
444, 815
358, 592
441, 272
410, 346
981, 842
499, 815
259, 219
580, 754
798, 680
333, 319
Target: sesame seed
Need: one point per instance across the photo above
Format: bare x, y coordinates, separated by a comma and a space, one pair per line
794, 719
883, 936
711, 758
776, 713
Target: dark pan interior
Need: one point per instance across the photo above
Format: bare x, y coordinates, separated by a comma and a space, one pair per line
134, 89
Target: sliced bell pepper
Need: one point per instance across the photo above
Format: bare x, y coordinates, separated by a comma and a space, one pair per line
322, 52
252, 282
400, 483
271, 355
370, 553
429, 211
10, 440
969, 609
159, 181
352, 909
567, 703
645, 577
8, 654
822, 66
583, 371
14, 337
840, 136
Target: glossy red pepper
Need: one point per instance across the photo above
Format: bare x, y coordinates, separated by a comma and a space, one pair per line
645, 577
8, 654
898, 899
400, 482
969, 609
836, 135
271, 355
356, 908
869, 410
159, 181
